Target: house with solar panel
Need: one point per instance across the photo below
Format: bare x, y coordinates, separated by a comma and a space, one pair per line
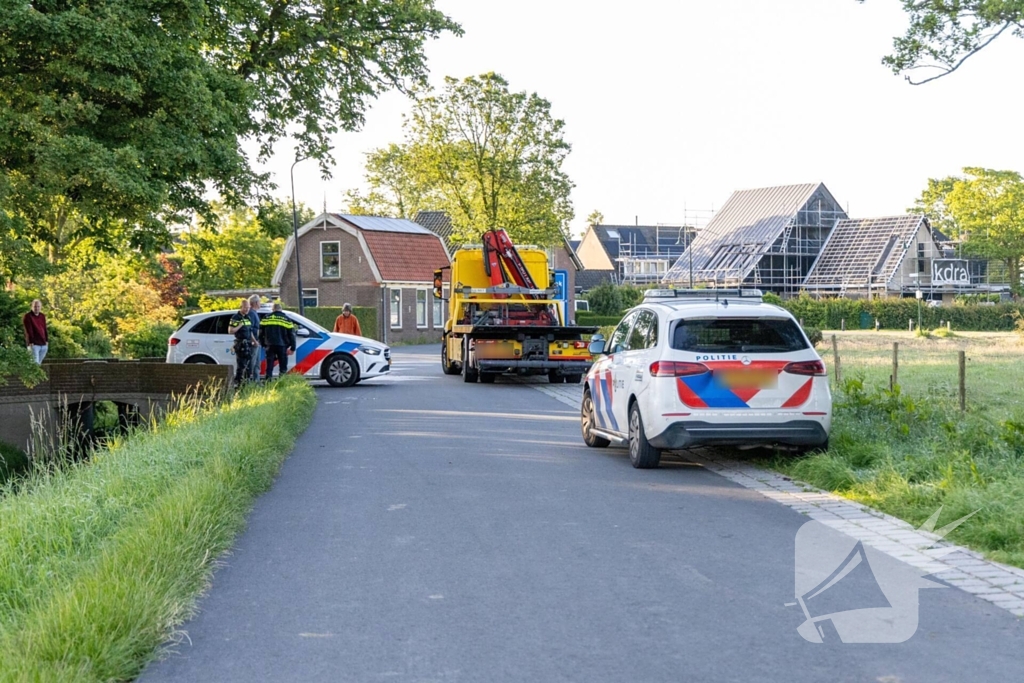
633, 254
383, 263
767, 238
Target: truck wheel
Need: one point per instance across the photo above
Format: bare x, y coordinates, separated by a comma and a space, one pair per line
446, 366
554, 377
642, 454
469, 373
573, 379
587, 422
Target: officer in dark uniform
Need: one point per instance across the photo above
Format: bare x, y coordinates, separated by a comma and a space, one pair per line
277, 335
241, 327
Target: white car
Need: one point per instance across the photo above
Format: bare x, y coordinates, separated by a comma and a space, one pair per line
341, 359
699, 367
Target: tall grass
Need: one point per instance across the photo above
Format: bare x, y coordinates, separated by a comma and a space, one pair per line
99, 561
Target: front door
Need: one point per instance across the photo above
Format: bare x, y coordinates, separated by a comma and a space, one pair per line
607, 381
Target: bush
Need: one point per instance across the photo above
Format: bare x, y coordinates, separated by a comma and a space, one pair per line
605, 300
149, 341
591, 318
62, 341
893, 314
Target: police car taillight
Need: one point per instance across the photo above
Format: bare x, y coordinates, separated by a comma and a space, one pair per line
669, 368
809, 368
173, 341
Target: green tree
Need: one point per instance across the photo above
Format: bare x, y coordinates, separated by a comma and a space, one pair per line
985, 210
490, 157
117, 116
606, 299
274, 217
232, 252
943, 34
595, 218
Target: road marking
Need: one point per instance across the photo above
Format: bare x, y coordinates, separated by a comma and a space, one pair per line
957, 566
462, 413
399, 506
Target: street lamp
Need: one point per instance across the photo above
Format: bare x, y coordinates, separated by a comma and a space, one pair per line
295, 235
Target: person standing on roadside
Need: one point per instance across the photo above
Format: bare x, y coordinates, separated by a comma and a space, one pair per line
277, 335
254, 319
347, 323
36, 338
241, 327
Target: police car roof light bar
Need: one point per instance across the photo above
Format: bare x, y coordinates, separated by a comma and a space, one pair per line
702, 293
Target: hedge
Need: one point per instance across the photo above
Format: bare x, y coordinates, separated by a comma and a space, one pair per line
326, 315
895, 313
589, 318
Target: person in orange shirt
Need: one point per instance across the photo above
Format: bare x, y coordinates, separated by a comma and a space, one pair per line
347, 323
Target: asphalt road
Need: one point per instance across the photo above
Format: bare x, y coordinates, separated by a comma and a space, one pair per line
429, 530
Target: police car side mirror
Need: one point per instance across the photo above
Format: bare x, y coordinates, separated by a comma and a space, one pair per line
596, 345
301, 332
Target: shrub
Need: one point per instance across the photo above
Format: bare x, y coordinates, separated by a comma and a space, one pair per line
590, 318
814, 335
606, 300
62, 341
326, 315
149, 341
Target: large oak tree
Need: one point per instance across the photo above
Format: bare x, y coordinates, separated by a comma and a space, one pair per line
118, 116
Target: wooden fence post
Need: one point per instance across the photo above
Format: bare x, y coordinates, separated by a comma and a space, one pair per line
894, 377
962, 362
835, 356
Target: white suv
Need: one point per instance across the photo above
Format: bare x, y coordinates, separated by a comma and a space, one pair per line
341, 359
705, 367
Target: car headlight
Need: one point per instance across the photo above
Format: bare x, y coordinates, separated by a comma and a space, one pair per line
370, 350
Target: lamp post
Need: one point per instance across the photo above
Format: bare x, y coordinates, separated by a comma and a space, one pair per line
295, 236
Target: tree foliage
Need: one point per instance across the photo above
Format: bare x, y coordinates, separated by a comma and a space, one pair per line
943, 34
490, 157
118, 115
985, 209
233, 251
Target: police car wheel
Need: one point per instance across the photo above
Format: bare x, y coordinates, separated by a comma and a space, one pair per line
587, 422
341, 370
199, 360
642, 454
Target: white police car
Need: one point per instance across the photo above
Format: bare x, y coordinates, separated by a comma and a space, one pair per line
705, 367
341, 359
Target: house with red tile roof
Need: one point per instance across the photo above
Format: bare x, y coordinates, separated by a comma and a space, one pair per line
384, 263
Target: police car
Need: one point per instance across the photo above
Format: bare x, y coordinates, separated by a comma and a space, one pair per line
705, 367
341, 359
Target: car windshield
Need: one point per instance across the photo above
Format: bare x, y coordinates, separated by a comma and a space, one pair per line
738, 335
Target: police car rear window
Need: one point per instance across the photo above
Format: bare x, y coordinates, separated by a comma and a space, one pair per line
738, 335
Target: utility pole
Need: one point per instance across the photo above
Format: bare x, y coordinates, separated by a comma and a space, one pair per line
295, 236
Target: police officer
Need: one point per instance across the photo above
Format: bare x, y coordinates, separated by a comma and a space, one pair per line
254, 318
241, 327
277, 335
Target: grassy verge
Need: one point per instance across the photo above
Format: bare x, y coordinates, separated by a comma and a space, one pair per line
908, 451
98, 563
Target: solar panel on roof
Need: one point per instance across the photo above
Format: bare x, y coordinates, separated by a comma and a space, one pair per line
382, 224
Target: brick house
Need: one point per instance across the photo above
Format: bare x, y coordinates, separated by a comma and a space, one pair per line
561, 258
383, 263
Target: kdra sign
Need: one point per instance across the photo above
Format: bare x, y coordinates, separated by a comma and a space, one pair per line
950, 272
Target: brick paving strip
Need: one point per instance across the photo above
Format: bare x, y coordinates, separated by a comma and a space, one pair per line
965, 569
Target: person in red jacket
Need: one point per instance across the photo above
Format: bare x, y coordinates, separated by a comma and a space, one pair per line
36, 338
347, 323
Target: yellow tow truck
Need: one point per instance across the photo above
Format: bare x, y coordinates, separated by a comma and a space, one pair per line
504, 317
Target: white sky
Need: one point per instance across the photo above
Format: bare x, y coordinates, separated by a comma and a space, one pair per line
675, 104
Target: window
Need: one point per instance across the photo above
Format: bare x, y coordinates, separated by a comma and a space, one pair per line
438, 312
618, 339
920, 258
738, 335
215, 324
396, 308
645, 331
330, 259
421, 308
310, 298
